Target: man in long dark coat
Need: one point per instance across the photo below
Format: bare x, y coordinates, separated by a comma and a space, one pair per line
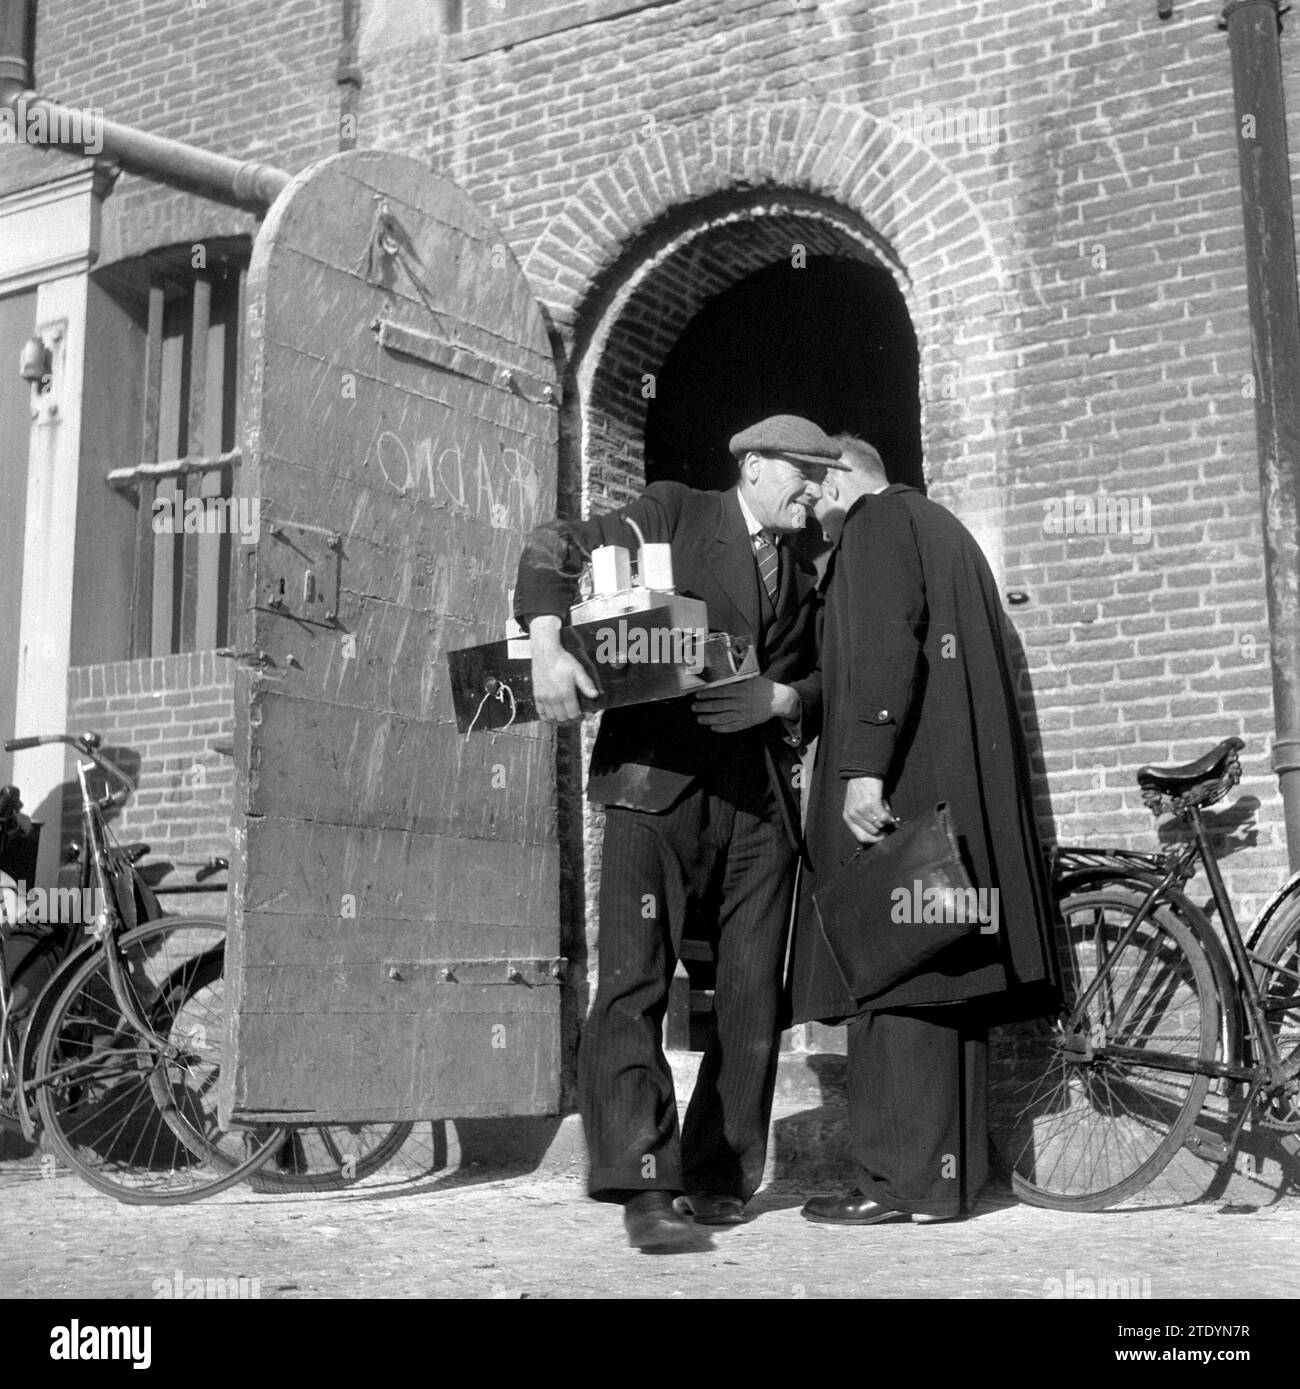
919, 707
701, 810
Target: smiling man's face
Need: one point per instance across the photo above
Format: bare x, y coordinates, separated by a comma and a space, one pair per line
781, 491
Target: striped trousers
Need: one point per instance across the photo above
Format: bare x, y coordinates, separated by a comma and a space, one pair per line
720, 856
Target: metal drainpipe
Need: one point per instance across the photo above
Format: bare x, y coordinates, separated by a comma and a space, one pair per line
348, 75
245, 183
1253, 29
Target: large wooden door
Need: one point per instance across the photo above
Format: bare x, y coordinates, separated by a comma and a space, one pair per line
395, 931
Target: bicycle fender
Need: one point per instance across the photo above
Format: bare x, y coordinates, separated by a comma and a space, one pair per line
1225, 977
36, 1020
1286, 893
1085, 879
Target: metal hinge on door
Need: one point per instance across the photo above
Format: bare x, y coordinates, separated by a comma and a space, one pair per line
531, 973
461, 361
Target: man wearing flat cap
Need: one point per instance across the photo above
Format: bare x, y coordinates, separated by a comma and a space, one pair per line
701, 815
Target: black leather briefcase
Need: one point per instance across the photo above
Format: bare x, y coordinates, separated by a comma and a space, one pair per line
898, 904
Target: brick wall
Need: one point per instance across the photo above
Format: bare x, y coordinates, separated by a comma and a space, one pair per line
237, 77
160, 720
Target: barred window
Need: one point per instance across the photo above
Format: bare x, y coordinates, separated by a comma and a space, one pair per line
185, 480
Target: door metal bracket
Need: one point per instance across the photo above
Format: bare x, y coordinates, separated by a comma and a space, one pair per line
460, 361
530, 973
298, 573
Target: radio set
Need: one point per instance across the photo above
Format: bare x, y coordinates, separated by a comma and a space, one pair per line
637, 638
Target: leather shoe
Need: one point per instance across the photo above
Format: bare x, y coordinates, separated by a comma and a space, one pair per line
853, 1209
652, 1224
708, 1208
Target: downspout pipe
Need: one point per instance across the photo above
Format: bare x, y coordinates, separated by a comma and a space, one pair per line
1254, 28
348, 75
245, 183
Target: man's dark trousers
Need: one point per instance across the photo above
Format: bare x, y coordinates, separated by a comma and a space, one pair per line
918, 1107
723, 849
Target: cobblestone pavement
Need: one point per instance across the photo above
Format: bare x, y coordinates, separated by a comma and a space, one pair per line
537, 1236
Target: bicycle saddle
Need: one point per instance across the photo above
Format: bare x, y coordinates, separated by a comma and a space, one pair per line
1190, 784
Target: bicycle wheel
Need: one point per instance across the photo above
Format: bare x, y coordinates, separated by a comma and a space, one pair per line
1081, 1113
315, 1157
328, 1157
1277, 972
141, 1128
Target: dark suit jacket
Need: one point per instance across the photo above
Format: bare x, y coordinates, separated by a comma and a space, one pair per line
919, 692
648, 755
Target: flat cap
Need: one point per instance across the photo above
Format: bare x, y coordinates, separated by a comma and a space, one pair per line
791, 435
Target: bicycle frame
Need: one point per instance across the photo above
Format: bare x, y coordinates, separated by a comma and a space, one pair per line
109, 921
1177, 869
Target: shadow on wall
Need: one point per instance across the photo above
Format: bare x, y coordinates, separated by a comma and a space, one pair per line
1022, 683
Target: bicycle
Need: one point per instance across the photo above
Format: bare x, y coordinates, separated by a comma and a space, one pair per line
1088, 1107
118, 1057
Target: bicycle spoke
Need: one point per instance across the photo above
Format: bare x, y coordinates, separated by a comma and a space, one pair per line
332, 1148
1277, 975
1079, 1123
134, 1114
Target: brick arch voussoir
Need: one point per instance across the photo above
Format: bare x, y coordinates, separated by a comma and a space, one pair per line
927, 223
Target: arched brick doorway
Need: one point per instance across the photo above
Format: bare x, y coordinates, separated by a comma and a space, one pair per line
828, 338
836, 178
736, 307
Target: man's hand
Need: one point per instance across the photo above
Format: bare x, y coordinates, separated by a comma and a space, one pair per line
733, 708
557, 676
865, 811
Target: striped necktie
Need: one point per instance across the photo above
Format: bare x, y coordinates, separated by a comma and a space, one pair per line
769, 562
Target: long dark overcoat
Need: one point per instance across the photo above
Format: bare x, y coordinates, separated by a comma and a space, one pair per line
917, 689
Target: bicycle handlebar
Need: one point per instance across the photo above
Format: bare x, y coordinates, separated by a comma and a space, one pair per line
87, 744
83, 742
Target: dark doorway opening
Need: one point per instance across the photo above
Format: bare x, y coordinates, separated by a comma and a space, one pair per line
831, 340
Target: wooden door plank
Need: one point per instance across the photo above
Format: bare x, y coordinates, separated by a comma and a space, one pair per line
451, 1067
448, 411
370, 768
300, 938
346, 873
